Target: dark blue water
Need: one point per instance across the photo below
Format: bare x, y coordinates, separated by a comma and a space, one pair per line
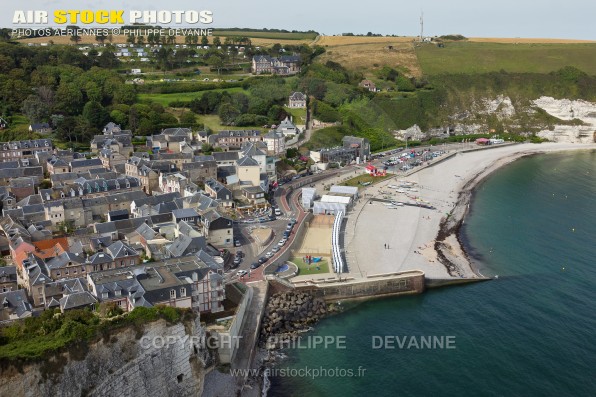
531, 332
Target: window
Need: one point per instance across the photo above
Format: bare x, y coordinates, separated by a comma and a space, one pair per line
172, 294
118, 292
182, 292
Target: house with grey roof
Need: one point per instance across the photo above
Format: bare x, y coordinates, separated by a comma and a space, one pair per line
218, 229
14, 150
219, 192
283, 65
185, 245
227, 158
54, 291
182, 282
287, 128
56, 165
297, 100
14, 305
8, 278
201, 168
111, 128
111, 159
234, 138
276, 142
188, 215
151, 201
83, 165
77, 300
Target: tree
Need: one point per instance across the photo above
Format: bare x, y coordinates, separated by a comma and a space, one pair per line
216, 41
227, 113
216, 61
188, 118
101, 38
95, 114
75, 38
204, 41
119, 117
130, 39
141, 40
69, 98
66, 128
206, 148
35, 109
108, 60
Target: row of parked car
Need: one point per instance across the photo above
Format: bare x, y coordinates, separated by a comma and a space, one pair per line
275, 248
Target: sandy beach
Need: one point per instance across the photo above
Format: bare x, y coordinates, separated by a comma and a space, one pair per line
421, 238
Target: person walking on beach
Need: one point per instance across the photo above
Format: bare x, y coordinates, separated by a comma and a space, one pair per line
385, 245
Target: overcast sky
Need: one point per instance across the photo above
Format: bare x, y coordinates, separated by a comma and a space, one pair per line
473, 18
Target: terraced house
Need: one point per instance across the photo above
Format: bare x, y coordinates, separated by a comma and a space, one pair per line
15, 150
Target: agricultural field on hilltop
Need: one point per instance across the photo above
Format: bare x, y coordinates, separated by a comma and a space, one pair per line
349, 40
518, 40
266, 35
370, 54
257, 38
477, 57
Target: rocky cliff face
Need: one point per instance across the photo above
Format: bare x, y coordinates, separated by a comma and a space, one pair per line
129, 363
566, 109
466, 122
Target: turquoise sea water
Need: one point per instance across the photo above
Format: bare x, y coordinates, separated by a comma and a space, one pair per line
531, 332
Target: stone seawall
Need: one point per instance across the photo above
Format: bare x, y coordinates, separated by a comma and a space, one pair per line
374, 286
126, 364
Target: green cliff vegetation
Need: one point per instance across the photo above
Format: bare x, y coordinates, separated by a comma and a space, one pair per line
35, 337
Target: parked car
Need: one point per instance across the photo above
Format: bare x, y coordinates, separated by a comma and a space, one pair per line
268, 254
241, 273
281, 242
237, 243
237, 261
275, 249
240, 254
277, 212
255, 265
262, 260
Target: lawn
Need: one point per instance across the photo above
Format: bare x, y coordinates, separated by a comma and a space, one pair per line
365, 178
213, 122
166, 99
473, 57
299, 115
303, 268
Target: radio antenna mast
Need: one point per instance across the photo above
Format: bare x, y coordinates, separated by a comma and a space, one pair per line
421, 25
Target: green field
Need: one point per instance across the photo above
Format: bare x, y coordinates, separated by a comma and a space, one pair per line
265, 35
166, 99
304, 269
299, 115
213, 122
467, 57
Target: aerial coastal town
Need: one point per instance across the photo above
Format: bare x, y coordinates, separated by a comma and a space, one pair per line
224, 194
